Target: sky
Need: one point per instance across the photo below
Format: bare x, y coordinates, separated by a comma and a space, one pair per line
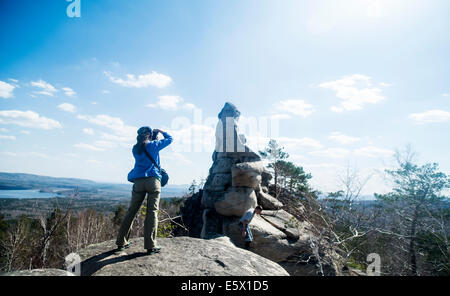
339, 84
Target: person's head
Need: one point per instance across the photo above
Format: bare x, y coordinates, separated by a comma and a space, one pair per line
258, 210
143, 134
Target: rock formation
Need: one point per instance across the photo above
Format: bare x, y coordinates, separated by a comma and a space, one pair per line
238, 181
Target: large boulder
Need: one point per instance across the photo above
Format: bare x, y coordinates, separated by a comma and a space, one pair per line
218, 182
179, 256
222, 165
236, 201
247, 174
268, 241
209, 198
268, 202
287, 223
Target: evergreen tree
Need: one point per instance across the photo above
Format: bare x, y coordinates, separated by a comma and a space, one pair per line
274, 153
293, 177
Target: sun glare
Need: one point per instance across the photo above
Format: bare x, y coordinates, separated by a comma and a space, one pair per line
325, 16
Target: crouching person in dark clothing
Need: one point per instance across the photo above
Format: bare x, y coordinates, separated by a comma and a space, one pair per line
244, 224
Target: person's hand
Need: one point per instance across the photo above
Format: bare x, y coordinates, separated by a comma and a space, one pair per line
244, 233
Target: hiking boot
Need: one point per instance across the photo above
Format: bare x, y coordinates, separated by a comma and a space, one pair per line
154, 250
122, 248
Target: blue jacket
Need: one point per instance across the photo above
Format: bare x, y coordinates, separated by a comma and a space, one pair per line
143, 166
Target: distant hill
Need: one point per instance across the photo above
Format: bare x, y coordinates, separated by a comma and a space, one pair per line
30, 181
22, 181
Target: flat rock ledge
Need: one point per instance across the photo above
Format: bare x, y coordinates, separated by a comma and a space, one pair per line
179, 256
39, 272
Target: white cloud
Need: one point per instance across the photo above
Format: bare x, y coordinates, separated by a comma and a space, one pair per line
13, 80
445, 95
88, 131
331, 153
296, 107
342, 139
355, 91
372, 151
6, 90
4, 137
67, 107
143, 80
105, 91
69, 92
46, 88
118, 129
25, 132
4, 130
28, 119
88, 147
430, 116
171, 103
167, 102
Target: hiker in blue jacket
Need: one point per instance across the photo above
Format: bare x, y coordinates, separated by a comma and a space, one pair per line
147, 180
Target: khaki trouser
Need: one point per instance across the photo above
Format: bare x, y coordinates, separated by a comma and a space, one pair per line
141, 187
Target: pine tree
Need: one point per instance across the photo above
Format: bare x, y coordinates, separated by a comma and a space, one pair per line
274, 153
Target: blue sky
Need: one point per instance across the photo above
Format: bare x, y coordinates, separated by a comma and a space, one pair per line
348, 83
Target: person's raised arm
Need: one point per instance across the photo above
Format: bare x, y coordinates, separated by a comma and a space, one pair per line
163, 143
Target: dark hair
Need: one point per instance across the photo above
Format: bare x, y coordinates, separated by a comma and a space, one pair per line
259, 208
144, 133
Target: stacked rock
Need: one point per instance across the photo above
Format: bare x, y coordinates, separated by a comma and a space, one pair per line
234, 184
238, 181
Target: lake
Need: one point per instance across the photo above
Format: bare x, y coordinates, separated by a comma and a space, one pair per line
31, 193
